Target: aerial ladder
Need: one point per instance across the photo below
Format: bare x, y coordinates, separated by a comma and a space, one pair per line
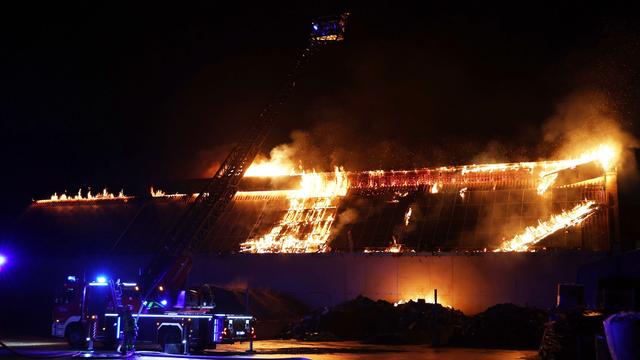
101, 306
172, 263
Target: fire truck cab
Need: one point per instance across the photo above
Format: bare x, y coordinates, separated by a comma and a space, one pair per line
87, 312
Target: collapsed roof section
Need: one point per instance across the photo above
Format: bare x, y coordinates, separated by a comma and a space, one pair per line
464, 208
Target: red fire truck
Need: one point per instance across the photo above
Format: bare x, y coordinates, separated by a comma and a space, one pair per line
85, 312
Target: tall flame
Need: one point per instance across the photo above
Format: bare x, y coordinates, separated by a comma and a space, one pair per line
306, 226
157, 193
104, 195
546, 182
534, 234
279, 163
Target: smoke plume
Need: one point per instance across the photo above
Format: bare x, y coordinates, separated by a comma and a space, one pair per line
345, 217
584, 120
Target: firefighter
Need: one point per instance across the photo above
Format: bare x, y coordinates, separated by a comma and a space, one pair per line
129, 330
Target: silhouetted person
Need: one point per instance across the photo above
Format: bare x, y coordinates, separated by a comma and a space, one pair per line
207, 295
129, 330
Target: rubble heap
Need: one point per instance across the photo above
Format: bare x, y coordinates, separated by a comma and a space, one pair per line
419, 322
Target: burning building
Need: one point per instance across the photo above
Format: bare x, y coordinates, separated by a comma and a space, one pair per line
566, 204
354, 220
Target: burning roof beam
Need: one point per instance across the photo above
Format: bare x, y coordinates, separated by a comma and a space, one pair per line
534, 234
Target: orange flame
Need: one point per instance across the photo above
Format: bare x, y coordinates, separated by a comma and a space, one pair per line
105, 195
407, 217
157, 193
393, 248
269, 169
306, 226
278, 164
605, 154
546, 182
534, 234
427, 298
161, 194
463, 192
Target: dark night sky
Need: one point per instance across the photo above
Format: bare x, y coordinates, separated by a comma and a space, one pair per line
123, 95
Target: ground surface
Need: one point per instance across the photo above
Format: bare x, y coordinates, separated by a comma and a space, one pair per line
288, 349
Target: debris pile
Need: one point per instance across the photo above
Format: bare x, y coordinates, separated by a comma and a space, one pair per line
381, 322
505, 326
570, 334
419, 322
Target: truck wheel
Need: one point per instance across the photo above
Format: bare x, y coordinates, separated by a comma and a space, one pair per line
75, 336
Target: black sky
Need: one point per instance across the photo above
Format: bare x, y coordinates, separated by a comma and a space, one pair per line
124, 94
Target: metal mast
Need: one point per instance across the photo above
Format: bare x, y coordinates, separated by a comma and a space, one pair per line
172, 263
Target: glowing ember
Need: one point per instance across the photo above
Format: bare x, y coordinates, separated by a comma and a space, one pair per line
498, 167
104, 195
463, 192
429, 299
407, 217
394, 248
161, 194
306, 225
157, 193
434, 188
546, 182
534, 234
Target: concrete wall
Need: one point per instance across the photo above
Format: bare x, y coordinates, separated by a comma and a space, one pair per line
470, 283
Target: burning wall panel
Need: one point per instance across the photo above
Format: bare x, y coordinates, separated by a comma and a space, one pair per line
451, 208
445, 222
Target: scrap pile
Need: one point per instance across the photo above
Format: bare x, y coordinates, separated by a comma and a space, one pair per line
419, 322
505, 326
381, 322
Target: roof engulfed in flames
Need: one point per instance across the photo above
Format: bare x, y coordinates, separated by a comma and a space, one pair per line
307, 224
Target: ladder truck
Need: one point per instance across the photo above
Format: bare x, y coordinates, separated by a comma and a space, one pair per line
179, 319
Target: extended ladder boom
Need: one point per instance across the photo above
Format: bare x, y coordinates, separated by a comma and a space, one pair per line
172, 263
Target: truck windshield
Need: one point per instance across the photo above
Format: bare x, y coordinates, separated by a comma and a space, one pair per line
64, 295
98, 299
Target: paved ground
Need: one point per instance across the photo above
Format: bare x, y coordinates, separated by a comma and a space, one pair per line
287, 349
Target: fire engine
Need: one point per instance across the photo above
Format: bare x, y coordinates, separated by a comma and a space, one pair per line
179, 319
88, 311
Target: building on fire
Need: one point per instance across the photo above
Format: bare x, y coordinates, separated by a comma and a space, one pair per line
392, 235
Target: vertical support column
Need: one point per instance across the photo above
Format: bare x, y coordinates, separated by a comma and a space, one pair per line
613, 212
186, 335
